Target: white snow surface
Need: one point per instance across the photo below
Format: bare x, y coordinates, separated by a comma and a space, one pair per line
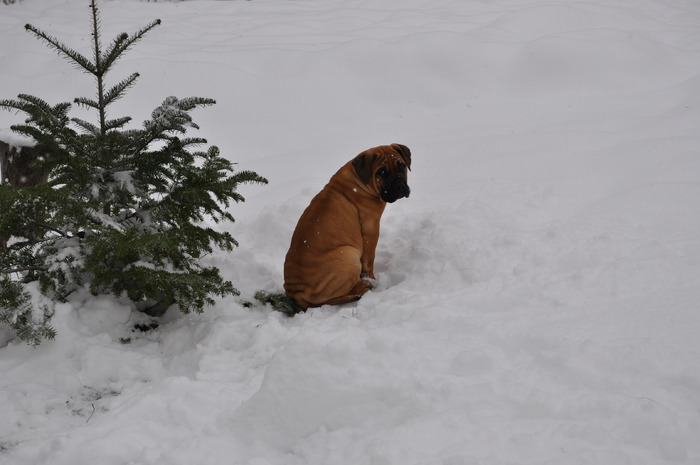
537, 297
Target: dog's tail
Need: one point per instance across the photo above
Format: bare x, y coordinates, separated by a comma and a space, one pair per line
280, 302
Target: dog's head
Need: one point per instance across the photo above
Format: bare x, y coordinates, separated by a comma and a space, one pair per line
385, 169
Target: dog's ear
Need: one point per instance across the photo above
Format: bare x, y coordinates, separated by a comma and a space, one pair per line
405, 153
363, 164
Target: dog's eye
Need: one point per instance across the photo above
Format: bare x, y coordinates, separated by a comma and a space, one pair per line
400, 166
383, 173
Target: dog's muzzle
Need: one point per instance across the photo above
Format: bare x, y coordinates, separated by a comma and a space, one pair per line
394, 189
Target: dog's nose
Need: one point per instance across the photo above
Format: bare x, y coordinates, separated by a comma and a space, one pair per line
405, 191
395, 189
401, 188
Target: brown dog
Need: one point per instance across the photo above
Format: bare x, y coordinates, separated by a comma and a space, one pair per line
331, 257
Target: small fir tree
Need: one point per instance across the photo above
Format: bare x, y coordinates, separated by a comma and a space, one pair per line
124, 211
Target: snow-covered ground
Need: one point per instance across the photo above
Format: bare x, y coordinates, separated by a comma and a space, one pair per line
538, 295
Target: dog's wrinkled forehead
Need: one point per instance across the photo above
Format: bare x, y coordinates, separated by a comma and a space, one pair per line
369, 160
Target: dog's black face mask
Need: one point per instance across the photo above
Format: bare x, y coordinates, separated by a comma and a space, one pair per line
393, 185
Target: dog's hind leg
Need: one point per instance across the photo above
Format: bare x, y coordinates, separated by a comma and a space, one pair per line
340, 283
357, 291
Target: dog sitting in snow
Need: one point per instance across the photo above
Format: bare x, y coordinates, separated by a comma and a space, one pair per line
331, 256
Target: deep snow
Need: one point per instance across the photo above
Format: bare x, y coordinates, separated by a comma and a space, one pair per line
538, 292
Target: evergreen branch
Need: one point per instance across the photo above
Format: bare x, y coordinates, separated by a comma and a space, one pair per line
47, 227
22, 269
34, 106
44, 120
173, 115
61, 109
26, 103
116, 48
63, 50
116, 123
87, 127
190, 103
35, 101
246, 176
86, 102
191, 141
29, 131
99, 69
116, 92
122, 42
7, 104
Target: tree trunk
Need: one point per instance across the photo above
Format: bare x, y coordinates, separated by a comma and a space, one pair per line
16, 169
16, 166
